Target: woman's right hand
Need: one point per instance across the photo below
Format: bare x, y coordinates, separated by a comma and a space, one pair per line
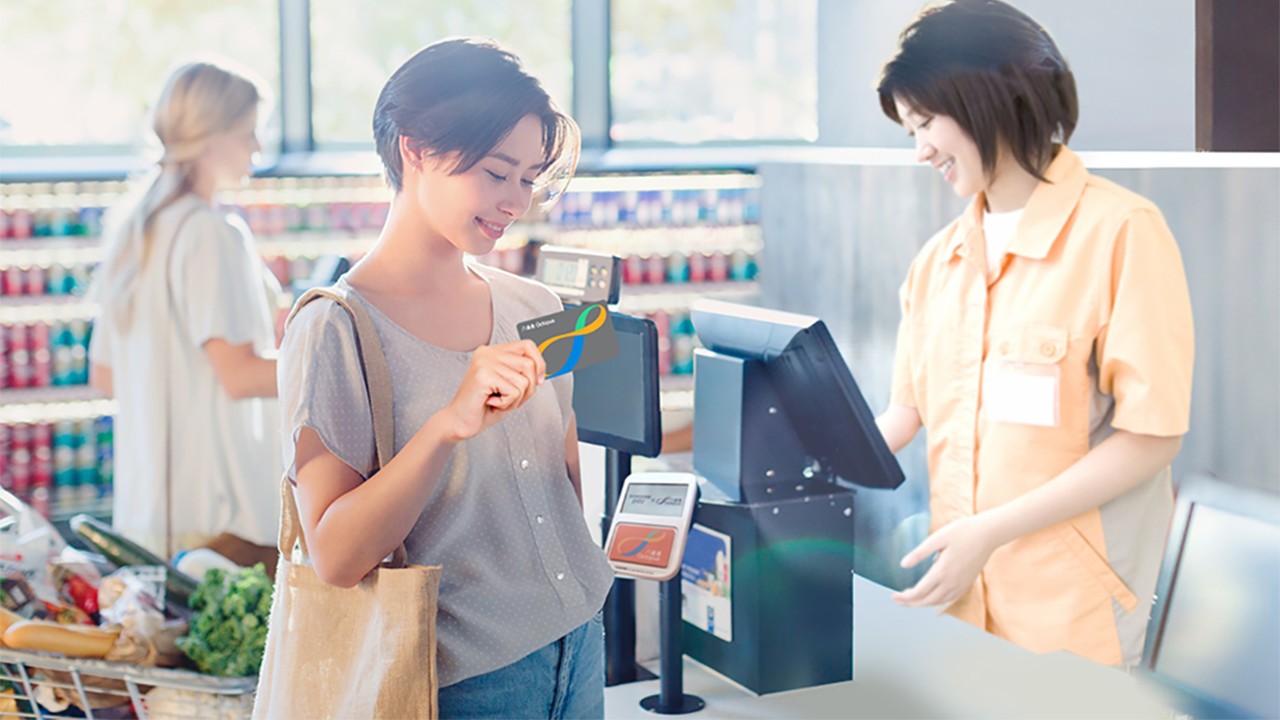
499, 380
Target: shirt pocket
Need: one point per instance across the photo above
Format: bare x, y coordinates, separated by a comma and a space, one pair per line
1021, 377
1032, 344
1096, 566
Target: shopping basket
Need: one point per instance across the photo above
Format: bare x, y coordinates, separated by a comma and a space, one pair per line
41, 685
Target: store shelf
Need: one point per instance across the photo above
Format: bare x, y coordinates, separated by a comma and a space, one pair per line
651, 298
622, 239
45, 308
314, 244
100, 509
51, 404
50, 251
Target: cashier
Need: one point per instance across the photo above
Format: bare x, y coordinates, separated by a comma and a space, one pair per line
1045, 347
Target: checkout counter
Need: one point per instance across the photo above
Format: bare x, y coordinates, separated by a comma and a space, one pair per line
783, 444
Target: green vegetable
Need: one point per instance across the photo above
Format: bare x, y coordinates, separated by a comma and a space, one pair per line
229, 632
124, 553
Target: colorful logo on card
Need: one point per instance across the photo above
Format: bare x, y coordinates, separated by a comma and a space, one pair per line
642, 544
582, 328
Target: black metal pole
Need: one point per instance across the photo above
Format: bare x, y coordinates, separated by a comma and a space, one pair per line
671, 699
620, 606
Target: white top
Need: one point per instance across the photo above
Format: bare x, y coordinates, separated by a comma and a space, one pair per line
225, 454
520, 569
998, 229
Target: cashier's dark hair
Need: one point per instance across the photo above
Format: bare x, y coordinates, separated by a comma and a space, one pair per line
992, 69
458, 99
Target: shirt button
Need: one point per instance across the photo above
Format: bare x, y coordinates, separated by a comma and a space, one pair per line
539, 519
1048, 349
559, 576
524, 464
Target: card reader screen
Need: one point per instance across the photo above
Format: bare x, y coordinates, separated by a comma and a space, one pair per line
653, 499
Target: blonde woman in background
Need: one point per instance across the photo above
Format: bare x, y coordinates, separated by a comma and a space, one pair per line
185, 340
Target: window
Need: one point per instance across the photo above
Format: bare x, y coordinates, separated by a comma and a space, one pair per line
79, 77
357, 44
714, 70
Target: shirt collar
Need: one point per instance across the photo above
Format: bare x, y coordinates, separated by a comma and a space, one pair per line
1051, 205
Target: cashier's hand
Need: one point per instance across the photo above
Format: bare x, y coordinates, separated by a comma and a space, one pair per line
963, 548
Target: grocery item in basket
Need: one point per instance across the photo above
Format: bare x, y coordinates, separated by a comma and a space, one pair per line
229, 630
27, 544
124, 552
70, 640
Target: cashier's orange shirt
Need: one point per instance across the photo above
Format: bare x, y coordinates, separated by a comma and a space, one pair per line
1091, 292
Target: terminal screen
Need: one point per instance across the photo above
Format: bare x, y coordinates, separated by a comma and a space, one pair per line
654, 499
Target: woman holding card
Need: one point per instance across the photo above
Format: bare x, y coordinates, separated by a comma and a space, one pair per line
484, 480
1045, 346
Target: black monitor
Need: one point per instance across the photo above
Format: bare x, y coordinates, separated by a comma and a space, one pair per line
1214, 637
824, 409
617, 401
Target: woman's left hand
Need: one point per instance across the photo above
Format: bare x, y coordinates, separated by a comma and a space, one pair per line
963, 547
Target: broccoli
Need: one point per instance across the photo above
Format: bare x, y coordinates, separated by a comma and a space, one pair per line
229, 632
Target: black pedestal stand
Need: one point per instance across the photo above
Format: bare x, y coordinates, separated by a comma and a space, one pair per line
671, 699
620, 607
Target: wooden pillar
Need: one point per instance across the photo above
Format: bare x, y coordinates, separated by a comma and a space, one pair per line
1238, 75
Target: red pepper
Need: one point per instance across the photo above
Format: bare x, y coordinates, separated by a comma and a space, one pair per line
84, 595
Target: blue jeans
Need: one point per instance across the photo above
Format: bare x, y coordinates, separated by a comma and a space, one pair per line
562, 680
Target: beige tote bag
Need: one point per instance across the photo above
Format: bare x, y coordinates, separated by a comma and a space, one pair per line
362, 652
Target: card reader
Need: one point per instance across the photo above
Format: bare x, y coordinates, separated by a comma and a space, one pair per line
651, 523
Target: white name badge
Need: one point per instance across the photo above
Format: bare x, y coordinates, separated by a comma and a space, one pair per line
1020, 393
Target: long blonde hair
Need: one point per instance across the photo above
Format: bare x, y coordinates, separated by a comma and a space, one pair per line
199, 101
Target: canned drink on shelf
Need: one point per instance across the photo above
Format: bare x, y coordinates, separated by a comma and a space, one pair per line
4, 357
13, 281
677, 268
662, 324
20, 371
655, 272
717, 267
6, 451
294, 217
279, 266
86, 461
90, 220
316, 216
6, 223
697, 267
64, 464
57, 280
20, 458
80, 332
633, 269
21, 224
739, 265
42, 455
35, 281
339, 216
39, 501
681, 344
41, 356
81, 274
106, 454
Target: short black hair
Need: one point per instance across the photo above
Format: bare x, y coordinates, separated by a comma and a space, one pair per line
461, 97
992, 69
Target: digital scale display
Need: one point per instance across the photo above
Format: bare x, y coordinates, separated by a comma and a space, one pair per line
580, 277
565, 273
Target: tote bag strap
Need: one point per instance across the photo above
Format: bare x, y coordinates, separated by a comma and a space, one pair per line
377, 378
